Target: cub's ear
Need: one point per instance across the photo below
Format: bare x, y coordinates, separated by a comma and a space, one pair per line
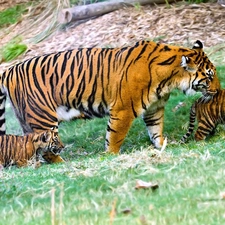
46, 136
198, 45
55, 129
188, 65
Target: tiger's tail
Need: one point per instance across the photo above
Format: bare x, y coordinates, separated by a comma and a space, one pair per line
191, 123
2, 107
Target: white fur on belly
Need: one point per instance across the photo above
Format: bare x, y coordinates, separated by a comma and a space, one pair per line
64, 114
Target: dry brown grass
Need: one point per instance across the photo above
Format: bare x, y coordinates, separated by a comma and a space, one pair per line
39, 20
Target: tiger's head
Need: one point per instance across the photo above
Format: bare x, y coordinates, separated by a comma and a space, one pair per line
48, 141
201, 72
55, 145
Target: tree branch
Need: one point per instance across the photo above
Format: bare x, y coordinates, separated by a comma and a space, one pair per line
97, 9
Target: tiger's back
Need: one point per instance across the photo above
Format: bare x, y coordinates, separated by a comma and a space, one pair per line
208, 114
18, 150
122, 82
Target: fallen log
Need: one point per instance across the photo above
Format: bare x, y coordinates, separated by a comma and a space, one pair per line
97, 9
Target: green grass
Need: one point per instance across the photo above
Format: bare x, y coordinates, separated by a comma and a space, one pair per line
12, 50
15, 47
86, 188
12, 15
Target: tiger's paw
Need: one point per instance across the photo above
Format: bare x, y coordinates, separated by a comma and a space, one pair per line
49, 157
159, 142
21, 163
37, 164
110, 152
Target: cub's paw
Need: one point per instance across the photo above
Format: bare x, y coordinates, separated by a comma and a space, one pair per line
49, 157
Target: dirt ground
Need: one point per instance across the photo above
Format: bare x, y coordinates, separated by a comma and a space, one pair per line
180, 24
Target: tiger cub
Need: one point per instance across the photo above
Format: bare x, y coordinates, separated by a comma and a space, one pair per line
123, 83
18, 150
53, 153
208, 113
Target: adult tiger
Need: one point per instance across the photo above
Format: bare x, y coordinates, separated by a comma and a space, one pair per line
18, 150
209, 114
122, 82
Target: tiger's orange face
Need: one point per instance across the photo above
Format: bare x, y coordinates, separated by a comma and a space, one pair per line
202, 73
48, 141
51, 153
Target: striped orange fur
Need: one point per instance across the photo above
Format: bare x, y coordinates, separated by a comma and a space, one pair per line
209, 114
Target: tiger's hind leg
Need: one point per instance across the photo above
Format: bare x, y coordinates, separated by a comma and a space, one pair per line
154, 123
204, 129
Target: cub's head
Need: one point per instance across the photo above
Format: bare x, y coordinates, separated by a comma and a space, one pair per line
201, 72
55, 144
48, 141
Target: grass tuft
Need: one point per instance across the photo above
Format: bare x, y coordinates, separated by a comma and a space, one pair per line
12, 50
12, 15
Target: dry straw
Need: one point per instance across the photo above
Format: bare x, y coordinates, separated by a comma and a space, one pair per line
43, 12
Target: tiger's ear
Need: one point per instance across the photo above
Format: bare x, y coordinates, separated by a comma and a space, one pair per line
46, 136
198, 45
188, 65
55, 129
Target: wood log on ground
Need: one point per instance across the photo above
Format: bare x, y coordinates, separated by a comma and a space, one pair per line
97, 9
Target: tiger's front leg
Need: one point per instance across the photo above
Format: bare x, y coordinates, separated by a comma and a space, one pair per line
154, 123
118, 126
21, 163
